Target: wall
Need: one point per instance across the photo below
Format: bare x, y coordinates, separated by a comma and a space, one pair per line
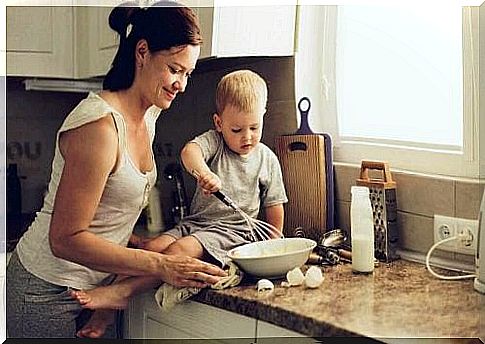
33, 118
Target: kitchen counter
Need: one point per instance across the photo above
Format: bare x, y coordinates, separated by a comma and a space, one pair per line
400, 299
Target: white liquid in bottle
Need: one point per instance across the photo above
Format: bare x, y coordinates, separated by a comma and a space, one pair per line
362, 230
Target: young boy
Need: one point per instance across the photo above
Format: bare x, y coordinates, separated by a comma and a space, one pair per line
230, 158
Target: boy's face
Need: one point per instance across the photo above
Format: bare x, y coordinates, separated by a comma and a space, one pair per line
241, 130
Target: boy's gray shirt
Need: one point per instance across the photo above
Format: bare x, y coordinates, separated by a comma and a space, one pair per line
249, 181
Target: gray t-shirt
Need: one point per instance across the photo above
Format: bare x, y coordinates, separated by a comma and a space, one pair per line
251, 181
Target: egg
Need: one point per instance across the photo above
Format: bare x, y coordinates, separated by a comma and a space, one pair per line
313, 277
295, 277
264, 285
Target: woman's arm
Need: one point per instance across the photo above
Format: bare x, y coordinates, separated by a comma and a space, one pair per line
90, 154
275, 216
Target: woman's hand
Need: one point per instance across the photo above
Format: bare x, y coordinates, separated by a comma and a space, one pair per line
183, 271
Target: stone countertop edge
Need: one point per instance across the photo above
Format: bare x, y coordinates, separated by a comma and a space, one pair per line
400, 299
277, 316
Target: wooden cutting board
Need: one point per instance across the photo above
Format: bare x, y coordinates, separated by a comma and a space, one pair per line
307, 167
304, 168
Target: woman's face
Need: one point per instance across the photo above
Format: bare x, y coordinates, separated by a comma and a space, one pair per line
163, 74
241, 130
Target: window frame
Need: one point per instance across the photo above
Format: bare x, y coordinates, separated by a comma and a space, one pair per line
315, 78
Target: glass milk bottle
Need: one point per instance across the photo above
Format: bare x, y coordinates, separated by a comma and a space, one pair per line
362, 230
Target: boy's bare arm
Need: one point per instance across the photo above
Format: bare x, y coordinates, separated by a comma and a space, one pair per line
193, 159
275, 215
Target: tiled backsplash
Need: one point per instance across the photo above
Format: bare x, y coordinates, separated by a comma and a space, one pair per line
419, 198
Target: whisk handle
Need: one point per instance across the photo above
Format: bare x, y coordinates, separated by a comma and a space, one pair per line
226, 200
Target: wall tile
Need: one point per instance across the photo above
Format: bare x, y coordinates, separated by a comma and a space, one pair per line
415, 232
424, 195
342, 210
468, 198
344, 178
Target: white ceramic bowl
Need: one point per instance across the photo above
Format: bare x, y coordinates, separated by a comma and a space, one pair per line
272, 258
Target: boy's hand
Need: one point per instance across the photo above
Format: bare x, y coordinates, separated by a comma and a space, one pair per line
209, 182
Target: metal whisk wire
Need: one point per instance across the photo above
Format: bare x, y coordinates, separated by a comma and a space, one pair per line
260, 230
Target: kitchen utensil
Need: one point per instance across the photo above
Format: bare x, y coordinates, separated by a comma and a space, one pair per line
306, 163
272, 258
173, 172
331, 248
382, 194
261, 230
479, 282
333, 238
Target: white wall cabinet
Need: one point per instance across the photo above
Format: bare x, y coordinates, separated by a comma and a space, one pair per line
76, 42
59, 42
194, 320
231, 31
39, 41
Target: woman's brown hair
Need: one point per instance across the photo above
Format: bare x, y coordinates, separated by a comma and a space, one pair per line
163, 25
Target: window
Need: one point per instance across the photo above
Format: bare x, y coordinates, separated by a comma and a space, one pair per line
397, 83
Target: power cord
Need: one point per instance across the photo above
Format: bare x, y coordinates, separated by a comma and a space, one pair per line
461, 236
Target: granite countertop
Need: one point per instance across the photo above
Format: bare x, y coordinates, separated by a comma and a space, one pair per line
400, 299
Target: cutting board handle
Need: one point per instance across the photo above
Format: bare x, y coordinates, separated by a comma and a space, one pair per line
375, 165
304, 127
297, 146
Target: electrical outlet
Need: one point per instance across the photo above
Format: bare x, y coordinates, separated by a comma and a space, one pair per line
448, 227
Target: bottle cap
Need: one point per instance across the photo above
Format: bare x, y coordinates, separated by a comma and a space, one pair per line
359, 190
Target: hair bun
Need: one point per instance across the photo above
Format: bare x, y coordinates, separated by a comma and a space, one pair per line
121, 16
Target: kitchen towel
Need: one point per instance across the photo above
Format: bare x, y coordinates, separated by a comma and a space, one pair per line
168, 296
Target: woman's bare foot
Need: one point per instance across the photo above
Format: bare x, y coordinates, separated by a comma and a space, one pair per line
96, 325
108, 297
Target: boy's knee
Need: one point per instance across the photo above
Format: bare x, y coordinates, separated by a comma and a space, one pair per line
186, 246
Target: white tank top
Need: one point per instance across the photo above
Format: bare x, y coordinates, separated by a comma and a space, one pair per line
124, 196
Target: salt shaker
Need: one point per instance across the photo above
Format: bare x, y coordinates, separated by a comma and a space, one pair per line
362, 230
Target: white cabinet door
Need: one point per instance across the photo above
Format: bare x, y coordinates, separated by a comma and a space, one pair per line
144, 320
98, 40
231, 31
40, 41
254, 30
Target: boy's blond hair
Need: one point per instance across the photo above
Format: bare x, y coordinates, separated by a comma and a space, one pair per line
243, 89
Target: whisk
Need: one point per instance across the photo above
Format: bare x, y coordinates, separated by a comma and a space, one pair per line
260, 230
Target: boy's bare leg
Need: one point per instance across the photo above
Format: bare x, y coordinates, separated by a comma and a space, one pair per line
116, 295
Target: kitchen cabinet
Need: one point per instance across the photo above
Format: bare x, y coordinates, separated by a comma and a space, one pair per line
188, 320
39, 41
59, 42
231, 31
76, 42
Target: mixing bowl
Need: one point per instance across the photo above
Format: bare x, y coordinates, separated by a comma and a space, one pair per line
272, 258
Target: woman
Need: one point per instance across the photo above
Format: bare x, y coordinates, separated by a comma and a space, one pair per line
102, 172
